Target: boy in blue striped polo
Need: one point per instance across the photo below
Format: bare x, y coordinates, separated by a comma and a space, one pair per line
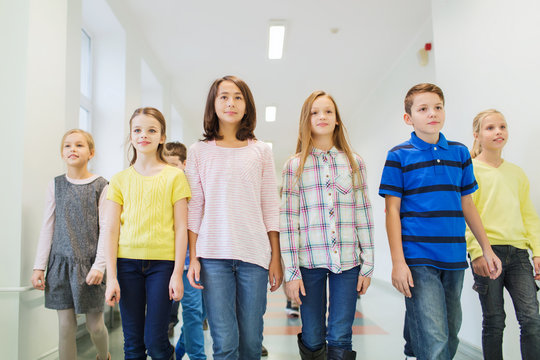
426, 183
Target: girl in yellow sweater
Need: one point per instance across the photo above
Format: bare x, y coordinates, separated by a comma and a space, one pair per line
146, 237
513, 228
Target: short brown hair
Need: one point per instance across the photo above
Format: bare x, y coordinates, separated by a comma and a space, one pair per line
420, 89
175, 148
211, 121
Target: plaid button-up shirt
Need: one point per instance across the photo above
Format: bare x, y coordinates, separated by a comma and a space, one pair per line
325, 221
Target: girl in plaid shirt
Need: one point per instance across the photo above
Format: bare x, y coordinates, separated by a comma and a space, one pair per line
325, 230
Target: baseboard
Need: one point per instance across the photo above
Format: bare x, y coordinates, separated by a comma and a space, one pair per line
468, 351
49, 355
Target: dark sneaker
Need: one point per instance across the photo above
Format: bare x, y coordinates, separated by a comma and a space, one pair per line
264, 351
292, 309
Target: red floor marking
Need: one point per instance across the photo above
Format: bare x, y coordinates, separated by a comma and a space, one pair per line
282, 330
368, 330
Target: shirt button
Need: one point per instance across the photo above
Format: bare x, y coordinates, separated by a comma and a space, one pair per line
327, 175
438, 160
329, 194
435, 148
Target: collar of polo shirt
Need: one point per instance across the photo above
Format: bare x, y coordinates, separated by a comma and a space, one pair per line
422, 145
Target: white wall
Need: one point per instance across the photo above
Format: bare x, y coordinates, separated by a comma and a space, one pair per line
487, 55
34, 93
378, 126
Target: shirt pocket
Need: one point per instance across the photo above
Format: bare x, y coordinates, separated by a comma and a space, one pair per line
344, 184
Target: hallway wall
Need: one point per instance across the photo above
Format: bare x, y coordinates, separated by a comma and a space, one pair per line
486, 56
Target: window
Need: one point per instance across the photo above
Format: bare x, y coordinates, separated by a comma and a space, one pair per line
85, 111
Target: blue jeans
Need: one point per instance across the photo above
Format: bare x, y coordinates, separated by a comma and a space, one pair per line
341, 310
145, 322
517, 278
191, 341
235, 299
434, 312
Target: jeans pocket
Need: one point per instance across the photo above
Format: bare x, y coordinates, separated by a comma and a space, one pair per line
480, 287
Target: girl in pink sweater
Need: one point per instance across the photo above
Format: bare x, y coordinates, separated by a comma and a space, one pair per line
233, 221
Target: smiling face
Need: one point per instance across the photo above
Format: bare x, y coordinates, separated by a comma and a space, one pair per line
146, 134
229, 104
323, 117
493, 133
427, 116
76, 151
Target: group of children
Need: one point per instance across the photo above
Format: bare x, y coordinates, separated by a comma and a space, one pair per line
225, 212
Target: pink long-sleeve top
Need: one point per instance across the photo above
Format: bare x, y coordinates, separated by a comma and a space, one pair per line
47, 228
234, 201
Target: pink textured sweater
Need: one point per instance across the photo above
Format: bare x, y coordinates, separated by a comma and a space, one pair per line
234, 201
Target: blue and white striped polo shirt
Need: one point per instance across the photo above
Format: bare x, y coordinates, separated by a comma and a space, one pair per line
430, 179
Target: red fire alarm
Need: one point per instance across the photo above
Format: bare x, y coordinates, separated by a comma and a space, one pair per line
427, 47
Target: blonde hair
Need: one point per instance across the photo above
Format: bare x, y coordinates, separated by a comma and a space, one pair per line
477, 125
304, 144
87, 136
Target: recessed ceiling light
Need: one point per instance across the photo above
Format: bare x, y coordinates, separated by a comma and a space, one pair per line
276, 38
270, 113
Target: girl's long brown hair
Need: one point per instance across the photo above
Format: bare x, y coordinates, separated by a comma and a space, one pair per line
477, 125
339, 138
156, 114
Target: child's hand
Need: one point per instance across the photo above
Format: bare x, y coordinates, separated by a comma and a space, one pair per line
94, 277
293, 289
536, 262
194, 273
480, 266
402, 279
38, 279
112, 292
493, 263
363, 284
275, 274
176, 287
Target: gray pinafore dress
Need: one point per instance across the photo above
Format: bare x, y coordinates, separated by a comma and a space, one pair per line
74, 246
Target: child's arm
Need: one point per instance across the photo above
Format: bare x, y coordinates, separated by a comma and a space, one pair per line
45, 240
194, 271
289, 235
364, 229
401, 274
275, 272
176, 287
270, 213
531, 223
488, 264
111, 235
95, 275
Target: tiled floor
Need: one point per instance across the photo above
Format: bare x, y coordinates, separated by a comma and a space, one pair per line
376, 331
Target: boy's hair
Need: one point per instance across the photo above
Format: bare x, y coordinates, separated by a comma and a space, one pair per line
419, 89
176, 148
477, 125
87, 136
211, 121
304, 144
156, 114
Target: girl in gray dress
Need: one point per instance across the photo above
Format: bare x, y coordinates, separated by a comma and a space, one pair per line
71, 250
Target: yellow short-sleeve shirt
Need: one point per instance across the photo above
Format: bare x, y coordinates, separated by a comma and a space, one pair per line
147, 218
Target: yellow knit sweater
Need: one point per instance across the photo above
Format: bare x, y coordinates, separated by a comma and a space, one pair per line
147, 218
506, 209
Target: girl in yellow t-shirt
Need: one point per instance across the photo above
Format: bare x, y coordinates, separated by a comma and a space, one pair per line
513, 227
146, 238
